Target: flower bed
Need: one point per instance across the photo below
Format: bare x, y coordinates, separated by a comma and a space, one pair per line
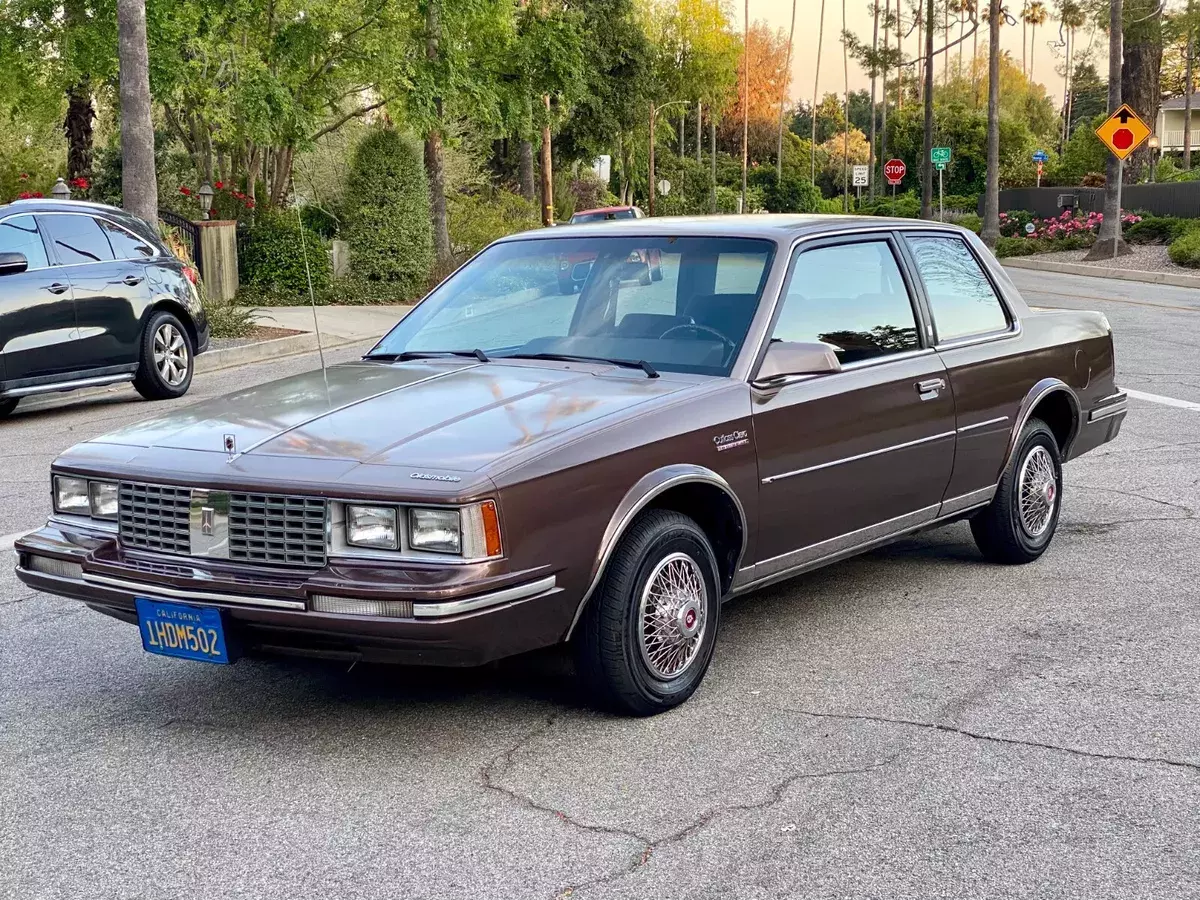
1065, 232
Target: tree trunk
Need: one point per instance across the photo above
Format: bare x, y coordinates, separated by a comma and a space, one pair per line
525, 151
900, 59
650, 189
547, 170
682, 126
924, 30
1140, 81
712, 162
699, 129
882, 158
77, 127
927, 143
1032, 44
1187, 94
816, 83
874, 54
139, 181
746, 101
845, 113
1108, 242
434, 168
991, 198
787, 68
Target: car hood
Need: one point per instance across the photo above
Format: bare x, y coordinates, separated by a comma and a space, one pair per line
444, 415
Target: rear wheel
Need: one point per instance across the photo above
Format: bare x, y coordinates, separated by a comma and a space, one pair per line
167, 359
647, 637
7, 406
1019, 524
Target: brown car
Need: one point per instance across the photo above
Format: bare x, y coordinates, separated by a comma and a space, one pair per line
512, 468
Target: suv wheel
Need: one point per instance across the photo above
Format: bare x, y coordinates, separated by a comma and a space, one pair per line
1018, 525
167, 359
7, 406
647, 637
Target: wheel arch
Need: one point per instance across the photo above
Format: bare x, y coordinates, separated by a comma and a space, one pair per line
179, 311
688, 489
1053, 401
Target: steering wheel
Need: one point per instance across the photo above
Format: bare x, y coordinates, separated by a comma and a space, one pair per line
730, 345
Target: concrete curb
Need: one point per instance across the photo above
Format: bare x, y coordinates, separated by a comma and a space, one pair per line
1042, 265
277, 348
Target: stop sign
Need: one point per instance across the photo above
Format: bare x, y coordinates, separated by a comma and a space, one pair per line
893, 170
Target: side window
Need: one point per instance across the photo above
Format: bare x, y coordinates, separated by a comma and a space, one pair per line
960, 295
20, 235
851, 296
124, 244
77, 239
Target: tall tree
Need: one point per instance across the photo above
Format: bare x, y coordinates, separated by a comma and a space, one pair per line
1189, 53
1141, 72
756, 103
873, 73
434, 164
1036, 15
1109, 242
139, 181
817, 83
991, 198
787, 80
927, 143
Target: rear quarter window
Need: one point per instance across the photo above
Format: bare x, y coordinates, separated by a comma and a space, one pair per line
961, 297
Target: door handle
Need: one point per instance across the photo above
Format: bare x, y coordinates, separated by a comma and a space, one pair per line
132, 280
58, 288
931, 389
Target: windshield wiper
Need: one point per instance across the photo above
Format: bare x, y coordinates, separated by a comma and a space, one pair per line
650, 371
427, 354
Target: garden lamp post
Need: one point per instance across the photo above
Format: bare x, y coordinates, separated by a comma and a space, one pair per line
60, 191
205, 194
1153, 144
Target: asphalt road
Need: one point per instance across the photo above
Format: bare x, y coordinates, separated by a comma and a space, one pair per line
912, 723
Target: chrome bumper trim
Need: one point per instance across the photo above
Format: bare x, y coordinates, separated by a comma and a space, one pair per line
98, 381
422, 610
1112, 405
154, 590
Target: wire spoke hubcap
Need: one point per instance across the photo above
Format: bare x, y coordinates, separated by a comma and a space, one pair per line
170, 354
1038, 491
672, 616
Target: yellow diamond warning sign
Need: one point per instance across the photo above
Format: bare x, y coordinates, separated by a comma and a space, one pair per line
1123, 131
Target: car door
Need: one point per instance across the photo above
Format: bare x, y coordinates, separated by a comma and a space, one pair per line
857, 455
37, 314
971, 325
110, 293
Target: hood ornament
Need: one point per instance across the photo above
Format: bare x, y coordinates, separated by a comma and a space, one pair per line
230, 446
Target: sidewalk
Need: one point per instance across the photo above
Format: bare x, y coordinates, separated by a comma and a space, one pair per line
340, 324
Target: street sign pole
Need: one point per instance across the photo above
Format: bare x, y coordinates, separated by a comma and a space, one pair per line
941, 197
1117, 227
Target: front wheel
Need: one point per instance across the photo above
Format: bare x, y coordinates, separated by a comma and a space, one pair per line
167, 359
647, 636
1020, 521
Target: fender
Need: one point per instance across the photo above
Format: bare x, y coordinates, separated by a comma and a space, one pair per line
635, 500
1037, 393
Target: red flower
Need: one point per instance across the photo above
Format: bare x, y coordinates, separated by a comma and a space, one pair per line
220, 185
24, 195
238, 195
80, 183
249, 203
185, 190
38, 195
24, 176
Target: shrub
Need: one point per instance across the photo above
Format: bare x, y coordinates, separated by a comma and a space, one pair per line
1094, 179
1158, 229
272, 260
1185, 250
478, 219
833, 206
387, 218
970, 221
791, 195
589, 192
1015, 246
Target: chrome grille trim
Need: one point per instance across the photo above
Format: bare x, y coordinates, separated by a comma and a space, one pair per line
154, 517
277, 529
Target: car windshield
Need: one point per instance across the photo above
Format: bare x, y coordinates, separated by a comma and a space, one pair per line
679, 304
602, 215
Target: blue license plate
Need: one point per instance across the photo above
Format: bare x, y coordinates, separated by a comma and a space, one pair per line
177, 629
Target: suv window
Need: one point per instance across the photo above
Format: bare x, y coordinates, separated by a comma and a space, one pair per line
124, 244
851, 296
20, 235
77, 239
960, 296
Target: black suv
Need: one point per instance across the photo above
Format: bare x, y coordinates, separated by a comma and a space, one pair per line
90, 295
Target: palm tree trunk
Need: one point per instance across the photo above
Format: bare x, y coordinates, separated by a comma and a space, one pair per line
991, 198
1108, 241
746, 101
846, 114
816, 82
1032, 44
900, 55
1187, 95
927, 142
1024, 26
882, 157
874, 76
139, 181
787, 69
434, 168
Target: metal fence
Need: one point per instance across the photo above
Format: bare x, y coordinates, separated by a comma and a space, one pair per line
1175, 199
189, 233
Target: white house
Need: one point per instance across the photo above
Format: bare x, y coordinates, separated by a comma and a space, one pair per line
1169, 125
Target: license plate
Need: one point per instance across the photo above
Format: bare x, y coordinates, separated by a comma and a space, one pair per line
177, 629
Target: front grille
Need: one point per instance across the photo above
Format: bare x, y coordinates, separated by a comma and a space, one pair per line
155, 517
269, 528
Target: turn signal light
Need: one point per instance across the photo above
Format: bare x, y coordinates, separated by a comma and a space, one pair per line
491, 527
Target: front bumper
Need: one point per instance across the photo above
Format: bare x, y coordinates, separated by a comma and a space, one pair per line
448, 616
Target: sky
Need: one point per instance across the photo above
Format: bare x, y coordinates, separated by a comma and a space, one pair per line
777, 13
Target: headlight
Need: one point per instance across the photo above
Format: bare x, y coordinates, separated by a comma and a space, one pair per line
371, 526
102, 498
71, 495
436, 530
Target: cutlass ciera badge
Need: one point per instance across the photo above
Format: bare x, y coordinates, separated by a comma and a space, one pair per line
230, 446
729, 441
427, 476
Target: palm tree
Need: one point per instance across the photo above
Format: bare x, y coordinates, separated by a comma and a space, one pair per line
787, 69
991, 198
139, 183
816, 83
1035, 14
1071, 16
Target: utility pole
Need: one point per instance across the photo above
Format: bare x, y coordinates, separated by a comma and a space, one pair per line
746, 101
787, 70
547, 173
874, 77
927, 144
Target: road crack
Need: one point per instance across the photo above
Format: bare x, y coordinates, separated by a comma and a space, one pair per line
998, 739
495, 768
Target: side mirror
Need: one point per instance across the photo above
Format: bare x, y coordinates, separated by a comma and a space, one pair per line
786, 358
13, 263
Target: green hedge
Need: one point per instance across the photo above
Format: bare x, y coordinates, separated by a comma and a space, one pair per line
388, 219
1185, 250
1158, 229
271, 262
1021, 246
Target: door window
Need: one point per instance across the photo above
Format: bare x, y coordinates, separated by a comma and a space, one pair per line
852, 297
20, 235
960, 296
77, 239
124, 244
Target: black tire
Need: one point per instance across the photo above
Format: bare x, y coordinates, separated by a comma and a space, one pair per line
152, 383
1000, 532
608, 651
7, 406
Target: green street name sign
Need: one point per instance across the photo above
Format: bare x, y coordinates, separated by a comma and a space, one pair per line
940, 156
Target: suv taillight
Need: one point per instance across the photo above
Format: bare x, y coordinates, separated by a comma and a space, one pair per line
190, 274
